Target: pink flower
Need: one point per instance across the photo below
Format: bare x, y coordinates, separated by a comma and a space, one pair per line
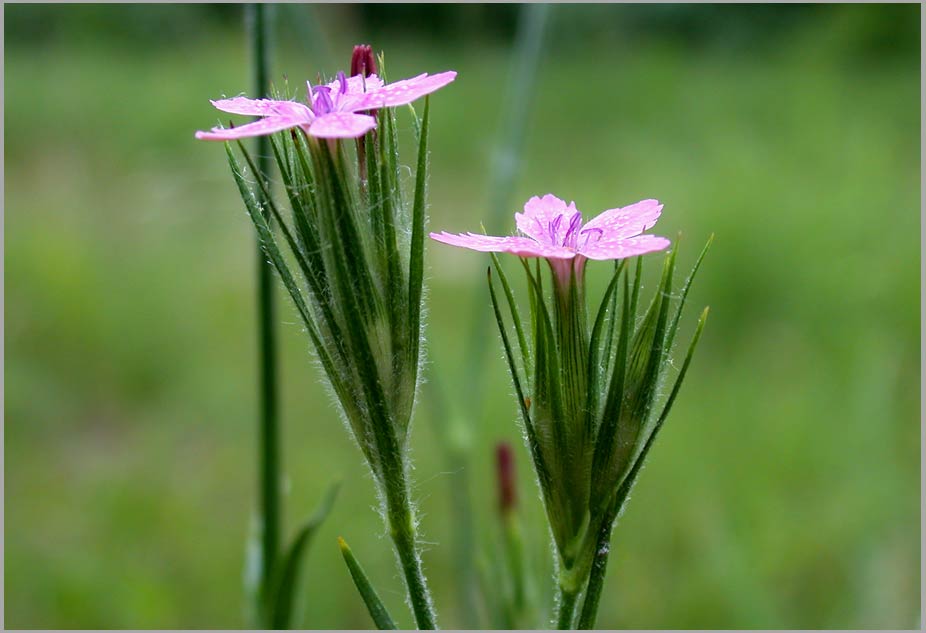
554, 230
333, 108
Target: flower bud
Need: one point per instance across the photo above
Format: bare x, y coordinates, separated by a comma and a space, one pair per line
362, 61
504, 462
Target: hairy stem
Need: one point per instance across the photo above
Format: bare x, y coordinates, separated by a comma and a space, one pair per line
596, 577
403, 533
567, 606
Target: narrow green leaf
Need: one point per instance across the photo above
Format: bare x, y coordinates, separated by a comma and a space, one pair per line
631, 476
288, 576
599, 566
288, 236
546, 330
416, 122
644, 366
512, 366
394, 285
393, 159
375, 606
375, 198
416, 248
354, 288
268, 243
637, 280
313, 271
300, 216
608, 356
515, 314
301, 149
614, 403
310, 249
343, 240
282, 161
595, 350
646, 357
681, 374
673, 328
536, 453
551, 365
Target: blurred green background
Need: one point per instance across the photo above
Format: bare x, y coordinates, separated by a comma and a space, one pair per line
784, 491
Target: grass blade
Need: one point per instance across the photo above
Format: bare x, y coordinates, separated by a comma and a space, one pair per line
375, 606
288, 576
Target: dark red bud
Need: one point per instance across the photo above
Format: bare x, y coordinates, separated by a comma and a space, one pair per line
362, 61
504, 461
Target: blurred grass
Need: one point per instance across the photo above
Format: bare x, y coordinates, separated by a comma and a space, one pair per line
784, 492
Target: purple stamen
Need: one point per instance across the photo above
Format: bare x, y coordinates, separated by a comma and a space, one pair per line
343, 81
554, 225
574, 224
308, 90
600, 232
323, 104
539, 224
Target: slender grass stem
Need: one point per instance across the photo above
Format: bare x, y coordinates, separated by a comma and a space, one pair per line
270, 510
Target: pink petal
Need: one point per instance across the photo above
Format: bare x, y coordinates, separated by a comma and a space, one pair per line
401, 92
265, 126
264, 107
342, 125
523, 246
539, 218
609, 247
624, 222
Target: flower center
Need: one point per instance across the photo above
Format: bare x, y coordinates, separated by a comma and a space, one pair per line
322, 103
570, 239
572, 232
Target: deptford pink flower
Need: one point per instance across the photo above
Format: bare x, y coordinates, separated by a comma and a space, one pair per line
554, 230
332, 110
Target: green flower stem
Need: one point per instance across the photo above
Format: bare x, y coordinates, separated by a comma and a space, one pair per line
596, 578
402, 531
568, 595
269, 427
